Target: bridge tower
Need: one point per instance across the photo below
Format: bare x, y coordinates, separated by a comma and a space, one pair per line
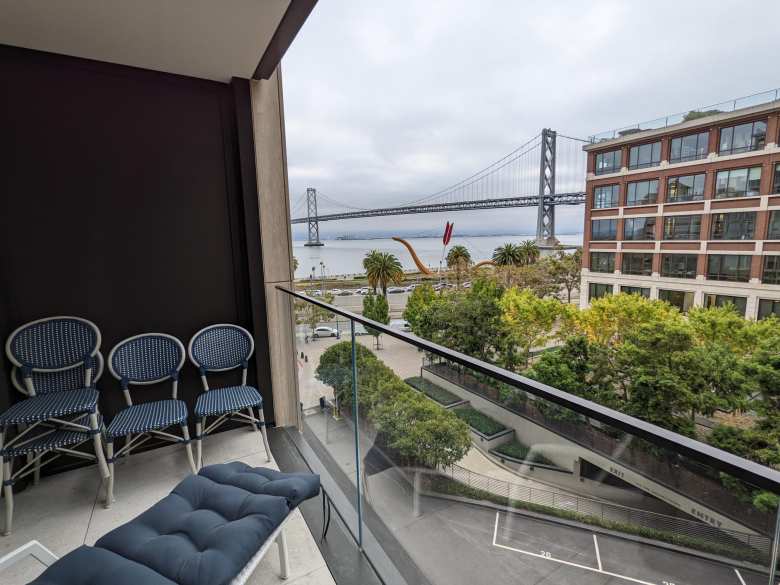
545, 223
312, 219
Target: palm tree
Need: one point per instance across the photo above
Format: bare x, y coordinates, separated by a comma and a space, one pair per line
382, 268
458, 259
508, 255
530, 251
294, 264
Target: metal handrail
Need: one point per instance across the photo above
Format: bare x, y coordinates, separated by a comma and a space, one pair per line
738, 467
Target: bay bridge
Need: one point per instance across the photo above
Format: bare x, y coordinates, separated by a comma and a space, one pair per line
544, 172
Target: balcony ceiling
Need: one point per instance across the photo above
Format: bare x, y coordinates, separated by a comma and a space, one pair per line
210, 39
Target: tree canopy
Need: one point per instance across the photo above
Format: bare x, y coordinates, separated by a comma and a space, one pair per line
381, 269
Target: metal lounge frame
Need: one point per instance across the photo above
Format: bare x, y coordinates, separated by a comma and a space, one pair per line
202, 429
140, 438
69, 426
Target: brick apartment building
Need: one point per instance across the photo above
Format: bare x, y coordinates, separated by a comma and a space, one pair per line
688, 213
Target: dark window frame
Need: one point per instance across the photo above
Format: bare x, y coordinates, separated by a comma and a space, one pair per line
647, 235
670, 270
635, 184
635, 290
687, 298
602, 255
772, 304
655, 151
730, 131
740, 273
614, 199
722, 300
773, 231
723, 223
770, 270
776, 179
617, 162
693, 221
612, 230
700, 136
639, 257
694, 196
747, 192
607, 289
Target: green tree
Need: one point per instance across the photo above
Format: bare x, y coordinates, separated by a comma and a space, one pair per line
529, 251
508, 255
294, 264
458, 260
566, 271
382, 268
422, 297
530, 320
376, 308
311, 314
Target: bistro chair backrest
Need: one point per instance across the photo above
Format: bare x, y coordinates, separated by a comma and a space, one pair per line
54, 344
46, 382
145, 359
222, 347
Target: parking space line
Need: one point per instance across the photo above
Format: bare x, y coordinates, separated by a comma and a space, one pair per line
598, 554
739, 576
545, 557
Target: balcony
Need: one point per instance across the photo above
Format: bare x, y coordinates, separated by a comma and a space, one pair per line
537, 485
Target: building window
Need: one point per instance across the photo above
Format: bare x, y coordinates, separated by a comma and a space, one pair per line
639, 228
596, 290
603, 229
679, 265
608, 162
641, 264
739, 303
682, 227
681, 299
776, 180
728, 267
738, 183
743, 137
635, 290
690, 147
768, 307
606, 196
771, 273
773, 233
602, 262
685, 188
644, 155
642, 192
733, 226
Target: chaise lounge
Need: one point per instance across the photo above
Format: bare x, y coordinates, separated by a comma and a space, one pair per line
214, 528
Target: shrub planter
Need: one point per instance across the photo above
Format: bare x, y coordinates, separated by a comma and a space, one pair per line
435, 392
486, 433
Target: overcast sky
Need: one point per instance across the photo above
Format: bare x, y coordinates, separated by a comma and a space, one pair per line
388, 101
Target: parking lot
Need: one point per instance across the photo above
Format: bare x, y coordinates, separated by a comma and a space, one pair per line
590, 557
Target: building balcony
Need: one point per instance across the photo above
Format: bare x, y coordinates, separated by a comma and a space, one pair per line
545, 487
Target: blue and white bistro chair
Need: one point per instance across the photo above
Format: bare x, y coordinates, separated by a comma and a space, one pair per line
142, 360
56, 364
220, 348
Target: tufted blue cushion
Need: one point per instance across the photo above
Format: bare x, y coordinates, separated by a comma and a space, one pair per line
229, 399
203, 533
97, 566
295, 487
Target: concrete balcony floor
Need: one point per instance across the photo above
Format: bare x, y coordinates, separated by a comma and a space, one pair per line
66, 510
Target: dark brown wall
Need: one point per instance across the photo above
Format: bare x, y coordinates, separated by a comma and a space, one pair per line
122, 202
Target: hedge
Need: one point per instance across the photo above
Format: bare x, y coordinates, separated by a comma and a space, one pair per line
447, 486
517, 450
479, 421
431, 390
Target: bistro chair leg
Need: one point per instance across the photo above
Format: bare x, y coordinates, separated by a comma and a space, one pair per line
261, 418
8, 492
186, 434
110, 480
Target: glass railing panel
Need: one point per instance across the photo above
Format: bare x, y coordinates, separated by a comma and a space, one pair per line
471, 478
326, 394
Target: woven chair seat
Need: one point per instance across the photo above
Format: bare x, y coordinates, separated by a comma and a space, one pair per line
52, 405
151, 416
230, 399
44, 442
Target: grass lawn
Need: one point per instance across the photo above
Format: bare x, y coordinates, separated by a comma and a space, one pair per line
479, 421
431, 390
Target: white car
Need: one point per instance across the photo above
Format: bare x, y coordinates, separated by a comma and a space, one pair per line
362, 291
315, 293
323, 331
335, 291
401, 324
395, 289
411, 287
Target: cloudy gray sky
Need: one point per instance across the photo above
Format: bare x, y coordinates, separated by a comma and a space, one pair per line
389, 101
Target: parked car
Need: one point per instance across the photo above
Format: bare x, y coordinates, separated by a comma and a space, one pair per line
335, 291
323, 331
344, 293
411, 287
362, 291
315, 293
401, 324
391, 290
439, 286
